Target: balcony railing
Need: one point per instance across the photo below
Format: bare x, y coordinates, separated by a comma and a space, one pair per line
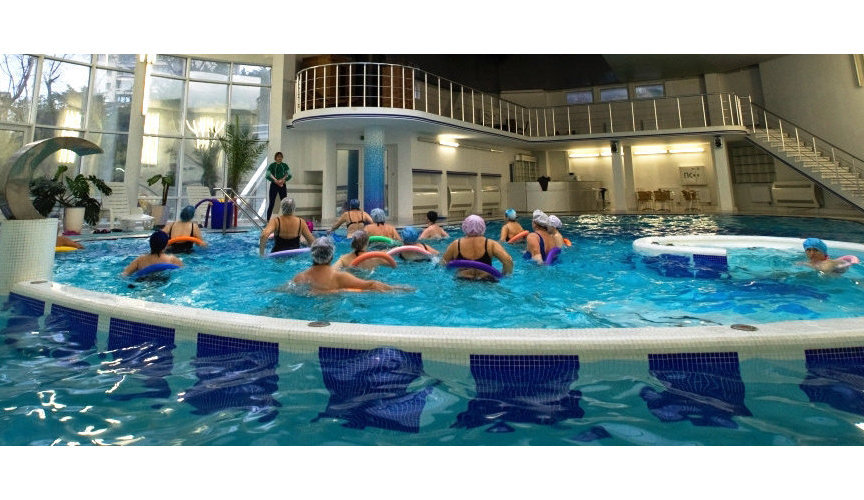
378, 85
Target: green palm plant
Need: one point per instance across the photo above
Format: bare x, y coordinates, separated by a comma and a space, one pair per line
68, 192
242, 149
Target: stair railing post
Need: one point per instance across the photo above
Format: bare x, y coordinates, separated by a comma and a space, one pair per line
782, 140
656, 122
752, 117
797, 142
767, 133
678, 104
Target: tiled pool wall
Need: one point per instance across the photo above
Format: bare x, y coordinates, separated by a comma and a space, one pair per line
371, 372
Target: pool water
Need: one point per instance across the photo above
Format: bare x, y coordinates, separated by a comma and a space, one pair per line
62, 386
599, 282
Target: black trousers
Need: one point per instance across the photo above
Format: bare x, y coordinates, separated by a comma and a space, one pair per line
274, 188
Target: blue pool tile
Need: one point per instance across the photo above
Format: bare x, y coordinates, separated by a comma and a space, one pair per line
235, 373
145, 357
80, 325
836, 377
704, 388
26, 306
369, 387
522, 388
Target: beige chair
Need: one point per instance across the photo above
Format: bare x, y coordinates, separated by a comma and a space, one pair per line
117, 204
644, 201
691, 199
662, 200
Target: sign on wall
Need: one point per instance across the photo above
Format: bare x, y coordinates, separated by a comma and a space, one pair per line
692, 176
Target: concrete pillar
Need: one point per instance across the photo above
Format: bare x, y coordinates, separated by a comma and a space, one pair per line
136, 135
629, 183
619, 179
27, 247
373, 168
725, 200
276, 123
328, 159
403, 213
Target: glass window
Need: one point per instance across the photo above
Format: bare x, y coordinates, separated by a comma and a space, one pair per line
251, 105
202, 164
207, 101
62, 94
209, 70
649, 91
17, 74
169, 65
119, 61
81, 58
63, 157
613, 94
165, 107
255, 75
111, 164
159, 155
580, 97
112, 100
10, 142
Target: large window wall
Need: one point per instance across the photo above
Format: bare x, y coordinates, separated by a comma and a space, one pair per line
188, 102
80, 95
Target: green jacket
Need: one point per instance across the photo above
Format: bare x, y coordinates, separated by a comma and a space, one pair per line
278, 171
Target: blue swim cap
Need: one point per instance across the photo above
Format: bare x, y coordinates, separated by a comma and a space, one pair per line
158, 242
187, 213
410, 235
510, 214
817, 244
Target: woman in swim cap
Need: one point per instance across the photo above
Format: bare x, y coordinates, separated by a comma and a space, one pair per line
477, 247
158, 242
511, 227
817, 257
359, 244
410, 237
322, 277
380, 227
184, 227
354, 218
286, 228
554, 224
433, 231
540, 241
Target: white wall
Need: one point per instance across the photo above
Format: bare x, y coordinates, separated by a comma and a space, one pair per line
817, 92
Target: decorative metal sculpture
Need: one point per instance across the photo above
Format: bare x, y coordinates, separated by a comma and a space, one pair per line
17, 172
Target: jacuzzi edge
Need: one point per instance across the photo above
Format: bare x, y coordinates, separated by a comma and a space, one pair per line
449, 344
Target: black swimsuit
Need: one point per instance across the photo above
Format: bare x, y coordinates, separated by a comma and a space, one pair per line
280, 243
485, 258
182, 246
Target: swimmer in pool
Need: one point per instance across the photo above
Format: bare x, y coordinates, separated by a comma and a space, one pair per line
433, 231
554, 224
477, 247
540, 241
410, 237
817, 257
322, 277
353, 218
359, 244
158, 242
287, 229
381, 227
510, 228
184, 227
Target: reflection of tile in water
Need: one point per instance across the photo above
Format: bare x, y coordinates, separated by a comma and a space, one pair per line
25, 306
704, 388
79, 328
517, 388
145, 356
235, 373
369, 387
836, 377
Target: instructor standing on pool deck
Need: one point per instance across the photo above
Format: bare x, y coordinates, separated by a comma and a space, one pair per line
278, 173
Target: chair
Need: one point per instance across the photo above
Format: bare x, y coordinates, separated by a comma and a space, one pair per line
691, 197
662, 200
116, 204
643, 198
195, 194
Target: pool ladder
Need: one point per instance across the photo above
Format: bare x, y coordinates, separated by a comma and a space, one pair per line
243, 206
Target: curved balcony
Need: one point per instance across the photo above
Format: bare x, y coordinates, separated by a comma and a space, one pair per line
355, 88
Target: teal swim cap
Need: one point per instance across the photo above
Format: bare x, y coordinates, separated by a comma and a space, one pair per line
187, 213
510, 214
410, 235
817, 244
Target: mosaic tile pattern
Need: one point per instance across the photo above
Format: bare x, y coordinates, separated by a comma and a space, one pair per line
235, 373
82, 325
704, 388
369, 387
25, 305
144, 357
515, 388
27, 250
836, 377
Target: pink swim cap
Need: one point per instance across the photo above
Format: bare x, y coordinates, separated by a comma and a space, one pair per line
473, 225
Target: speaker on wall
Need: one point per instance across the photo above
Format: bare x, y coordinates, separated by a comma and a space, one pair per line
613, 146
718, 142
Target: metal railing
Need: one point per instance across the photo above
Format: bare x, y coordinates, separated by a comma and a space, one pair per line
243, 207
820, 156
380, 85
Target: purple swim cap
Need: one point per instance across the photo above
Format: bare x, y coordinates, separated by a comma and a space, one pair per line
473, 225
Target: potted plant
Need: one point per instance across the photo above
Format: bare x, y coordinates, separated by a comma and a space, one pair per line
73, 194
242, 149
158, 212
207, 153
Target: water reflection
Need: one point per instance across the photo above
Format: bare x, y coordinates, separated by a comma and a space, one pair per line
836, 377
142, 357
